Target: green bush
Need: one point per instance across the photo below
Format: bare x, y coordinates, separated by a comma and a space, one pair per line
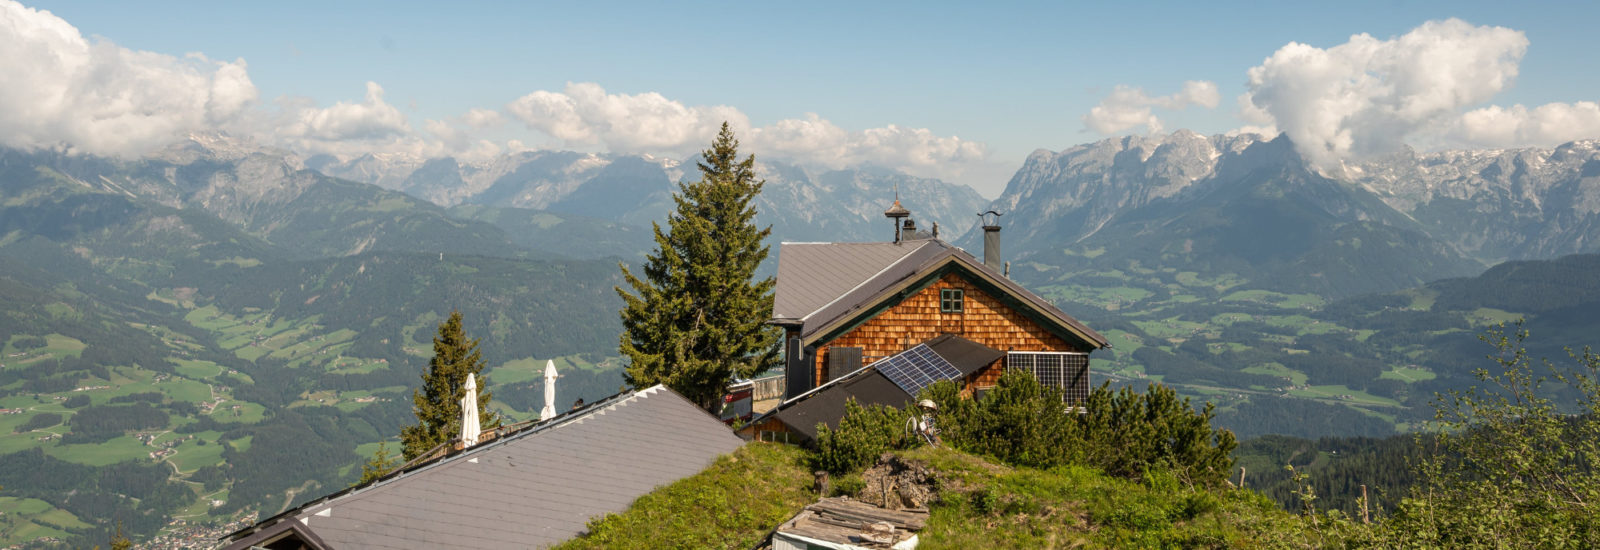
849, 485
1509, 465
1127, 433
1019, 422
1123, 433
863, 434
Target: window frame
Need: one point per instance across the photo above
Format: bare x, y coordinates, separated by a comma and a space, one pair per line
952, 300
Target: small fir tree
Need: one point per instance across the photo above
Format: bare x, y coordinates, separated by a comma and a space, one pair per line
697, 318
437, 403
120, 541
379, 465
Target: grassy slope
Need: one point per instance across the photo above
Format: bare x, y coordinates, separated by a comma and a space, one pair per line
739, 500
732, 504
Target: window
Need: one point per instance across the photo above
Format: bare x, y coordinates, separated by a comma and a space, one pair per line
950, 300
1066, 370
776, 437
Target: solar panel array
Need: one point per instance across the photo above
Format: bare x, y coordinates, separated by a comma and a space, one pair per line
916, 368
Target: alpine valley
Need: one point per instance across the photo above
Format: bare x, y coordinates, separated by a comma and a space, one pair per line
174, 322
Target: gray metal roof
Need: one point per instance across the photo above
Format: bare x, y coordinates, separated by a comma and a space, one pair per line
810, 275
529, 489
825, 405
828, 282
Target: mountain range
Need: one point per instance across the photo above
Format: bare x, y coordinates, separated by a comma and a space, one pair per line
800, 203
224, 300
1254, 208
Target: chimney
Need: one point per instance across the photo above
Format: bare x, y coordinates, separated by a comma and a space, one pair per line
991, 240
549, 410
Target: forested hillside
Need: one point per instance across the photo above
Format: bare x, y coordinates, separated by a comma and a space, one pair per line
172, 346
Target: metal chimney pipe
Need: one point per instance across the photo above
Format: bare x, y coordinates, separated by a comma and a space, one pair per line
991, 241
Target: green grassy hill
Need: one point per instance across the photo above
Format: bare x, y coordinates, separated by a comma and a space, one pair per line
979, 504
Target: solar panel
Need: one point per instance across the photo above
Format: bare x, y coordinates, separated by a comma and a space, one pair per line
916, 368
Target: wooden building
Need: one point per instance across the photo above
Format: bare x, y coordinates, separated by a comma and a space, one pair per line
844, 306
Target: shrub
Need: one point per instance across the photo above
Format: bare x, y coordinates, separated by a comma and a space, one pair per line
1124, 433
1507, 464
863, 434
1128, 434
1019, 422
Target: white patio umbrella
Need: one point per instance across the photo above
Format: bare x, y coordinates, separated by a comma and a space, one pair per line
549, 391
470, 430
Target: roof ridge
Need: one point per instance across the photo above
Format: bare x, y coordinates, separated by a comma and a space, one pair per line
874, 276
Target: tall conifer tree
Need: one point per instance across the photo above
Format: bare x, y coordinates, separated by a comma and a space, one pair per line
698, 317
437, 403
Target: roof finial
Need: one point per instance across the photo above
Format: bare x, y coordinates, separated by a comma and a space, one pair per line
896, 212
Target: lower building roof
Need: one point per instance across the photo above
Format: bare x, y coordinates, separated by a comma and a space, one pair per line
527, 489
868, 386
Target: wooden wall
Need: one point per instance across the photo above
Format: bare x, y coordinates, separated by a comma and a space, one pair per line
984, 320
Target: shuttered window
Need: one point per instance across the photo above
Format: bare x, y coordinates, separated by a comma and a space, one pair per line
1066, 370
843, 360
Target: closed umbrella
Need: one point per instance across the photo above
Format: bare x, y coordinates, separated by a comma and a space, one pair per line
469, 413
549, 391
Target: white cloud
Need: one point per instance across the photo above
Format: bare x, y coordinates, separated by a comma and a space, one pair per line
1519, 126
482, 118
96, 97
584, 114
92, 96
1368, 95
372, 118
1130, 107
817, 141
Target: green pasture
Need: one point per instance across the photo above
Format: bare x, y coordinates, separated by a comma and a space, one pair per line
198, 370
118, 449
247, 412
184, 389
192, 455
30, 519
1276, 299
1334, 391
1296, 378
528, 368
242, 444
1484, 316
1170, 328
1408, 374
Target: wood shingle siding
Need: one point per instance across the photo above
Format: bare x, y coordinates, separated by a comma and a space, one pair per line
917, 318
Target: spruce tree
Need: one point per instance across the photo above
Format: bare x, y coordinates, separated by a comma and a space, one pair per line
379, 465
697, 318
437, 403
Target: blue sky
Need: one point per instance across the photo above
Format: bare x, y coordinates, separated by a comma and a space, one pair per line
1004, 79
